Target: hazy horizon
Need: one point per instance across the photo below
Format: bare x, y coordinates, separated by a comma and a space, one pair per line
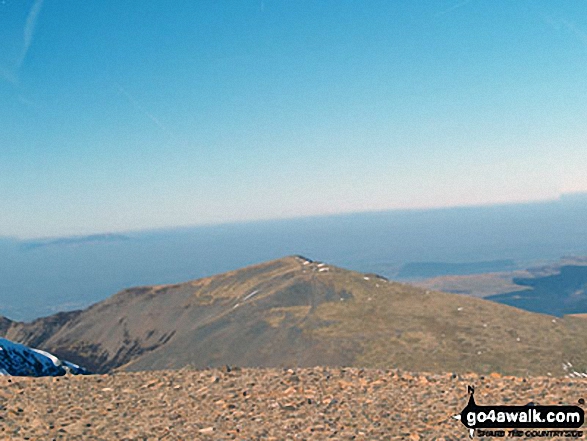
138, 116
581, 196
46, 276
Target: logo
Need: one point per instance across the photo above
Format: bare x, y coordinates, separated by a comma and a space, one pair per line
513, 421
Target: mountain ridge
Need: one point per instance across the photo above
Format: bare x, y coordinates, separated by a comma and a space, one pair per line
296, 312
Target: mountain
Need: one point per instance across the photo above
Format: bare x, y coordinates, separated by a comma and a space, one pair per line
295, 312
20, 360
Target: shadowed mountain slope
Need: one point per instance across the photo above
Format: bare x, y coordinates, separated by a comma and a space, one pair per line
294, 312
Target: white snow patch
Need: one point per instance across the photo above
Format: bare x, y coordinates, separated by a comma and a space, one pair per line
366, 278
251, 295
51, 357
323, 269
70, 364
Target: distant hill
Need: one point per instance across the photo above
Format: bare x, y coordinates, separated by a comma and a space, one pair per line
295, 312
74, 241
559, 294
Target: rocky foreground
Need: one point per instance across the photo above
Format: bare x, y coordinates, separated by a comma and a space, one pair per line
261, 404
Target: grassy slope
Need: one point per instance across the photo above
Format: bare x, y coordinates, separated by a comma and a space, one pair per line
421, 330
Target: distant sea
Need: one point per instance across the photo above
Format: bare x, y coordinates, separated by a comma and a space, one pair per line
39, 278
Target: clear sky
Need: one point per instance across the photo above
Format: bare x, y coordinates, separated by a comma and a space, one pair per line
123, 115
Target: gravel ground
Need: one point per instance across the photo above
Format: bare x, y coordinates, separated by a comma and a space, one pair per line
261, 404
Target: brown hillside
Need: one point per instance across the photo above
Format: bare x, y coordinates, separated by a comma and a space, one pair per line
293, 312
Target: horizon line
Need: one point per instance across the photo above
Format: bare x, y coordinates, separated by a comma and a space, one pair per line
170, 228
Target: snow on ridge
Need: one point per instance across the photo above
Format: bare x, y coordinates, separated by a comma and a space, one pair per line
19, 360
51, 357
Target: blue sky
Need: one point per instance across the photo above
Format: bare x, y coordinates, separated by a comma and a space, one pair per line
118, 116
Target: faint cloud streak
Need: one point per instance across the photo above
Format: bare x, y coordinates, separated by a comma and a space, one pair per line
454, 7
12, 75
29, 30
141, 109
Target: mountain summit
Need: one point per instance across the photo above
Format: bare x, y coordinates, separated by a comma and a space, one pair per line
296, 312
